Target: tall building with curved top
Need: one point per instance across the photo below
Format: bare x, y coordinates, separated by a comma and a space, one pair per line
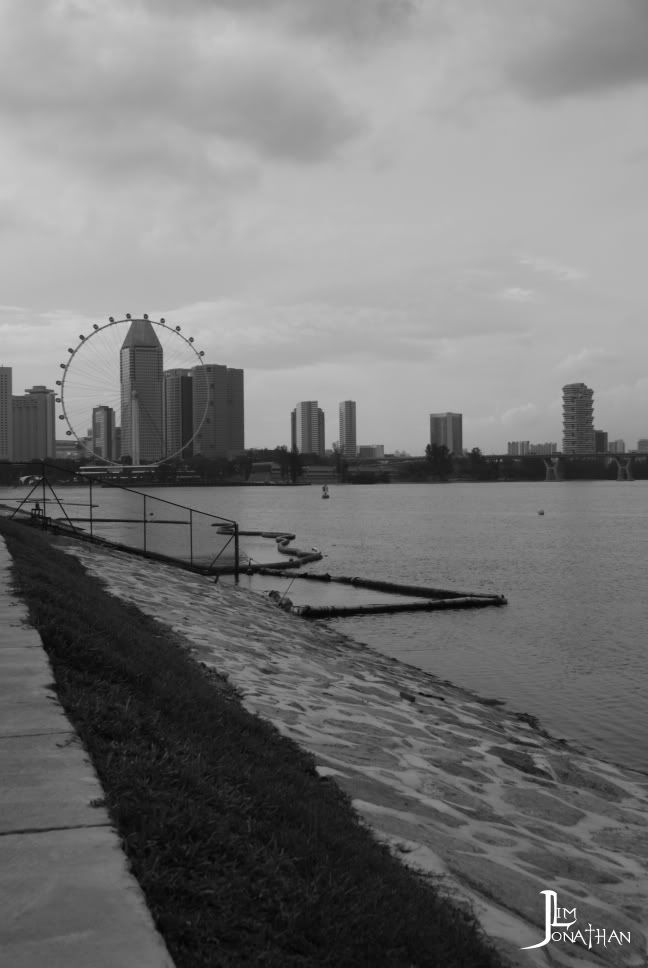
141, 381
578, 419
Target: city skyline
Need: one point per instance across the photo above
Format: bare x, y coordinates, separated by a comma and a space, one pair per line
435, 203
181, 395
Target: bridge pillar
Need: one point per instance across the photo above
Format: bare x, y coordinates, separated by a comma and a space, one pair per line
552, 469
624, 468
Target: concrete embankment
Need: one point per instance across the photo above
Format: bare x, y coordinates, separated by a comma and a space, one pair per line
457, 787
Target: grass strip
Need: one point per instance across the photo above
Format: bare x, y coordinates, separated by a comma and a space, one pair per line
245, 855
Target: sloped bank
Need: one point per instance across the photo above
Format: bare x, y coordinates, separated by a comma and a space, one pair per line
458, 787
246, 855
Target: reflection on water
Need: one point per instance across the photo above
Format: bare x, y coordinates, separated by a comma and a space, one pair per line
569, 647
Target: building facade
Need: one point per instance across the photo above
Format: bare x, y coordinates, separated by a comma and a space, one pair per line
141, 382
371, 451
6, 414
218, 403
307, 429
600, 441
348, 438
523, 448
177, 409
446, 429
103, 433
578, 419
33, 425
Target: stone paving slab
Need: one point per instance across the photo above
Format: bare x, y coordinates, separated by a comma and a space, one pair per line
24, 673
32, 717
68, 901
47, 781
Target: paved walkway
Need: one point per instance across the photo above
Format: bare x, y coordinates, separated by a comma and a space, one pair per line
67, 899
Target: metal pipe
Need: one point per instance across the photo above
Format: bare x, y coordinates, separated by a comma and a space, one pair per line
91, 522
236, 552
144, 521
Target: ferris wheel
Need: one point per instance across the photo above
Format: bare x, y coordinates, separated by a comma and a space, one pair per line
141, 375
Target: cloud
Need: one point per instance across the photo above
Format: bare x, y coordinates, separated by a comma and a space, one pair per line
352, 23
515, 294
579, 48
586, 359
113, 88
520, 414
552, 268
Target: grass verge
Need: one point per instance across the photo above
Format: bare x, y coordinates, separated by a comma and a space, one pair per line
245, 855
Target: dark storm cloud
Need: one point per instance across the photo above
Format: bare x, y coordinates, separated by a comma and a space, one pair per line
576, 48
351, 21
166, 95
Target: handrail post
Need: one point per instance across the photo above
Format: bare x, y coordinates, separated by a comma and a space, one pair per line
191, 537
144, 522
44, 493
90, 488
236, 552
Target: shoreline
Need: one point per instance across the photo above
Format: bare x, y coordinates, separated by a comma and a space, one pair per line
456, 785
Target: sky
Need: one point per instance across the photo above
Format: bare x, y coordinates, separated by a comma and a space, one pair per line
419, 205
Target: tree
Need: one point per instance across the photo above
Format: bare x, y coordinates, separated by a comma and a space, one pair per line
341, 465
283, 459
295, 467
439, 459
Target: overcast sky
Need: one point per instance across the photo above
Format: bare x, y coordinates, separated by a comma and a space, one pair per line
420, 205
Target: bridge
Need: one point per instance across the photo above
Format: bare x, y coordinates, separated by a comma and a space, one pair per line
552, 462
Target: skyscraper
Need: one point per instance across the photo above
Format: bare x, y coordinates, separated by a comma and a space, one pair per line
178, 413
307, 428
348, 442
103, 433
222, 434
6, 414
34, 425
578, 419
140, 372
446, 429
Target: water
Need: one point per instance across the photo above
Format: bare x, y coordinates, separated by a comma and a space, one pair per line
569, 647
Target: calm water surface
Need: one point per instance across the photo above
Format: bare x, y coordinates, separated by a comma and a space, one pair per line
570, 647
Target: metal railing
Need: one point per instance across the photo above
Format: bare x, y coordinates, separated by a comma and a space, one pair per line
133, 520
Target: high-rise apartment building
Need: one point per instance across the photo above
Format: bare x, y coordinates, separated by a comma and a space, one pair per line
447, 429
617, 447
177, 406
33, 425
307, 428
578, 419
6, 414
642, 445
222, 432
600, 441
103, 433
140, 373
348, 441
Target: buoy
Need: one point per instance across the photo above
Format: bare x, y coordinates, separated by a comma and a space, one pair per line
541, 511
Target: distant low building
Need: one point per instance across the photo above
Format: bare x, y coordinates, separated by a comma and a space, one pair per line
371, 451
522, 448
642, 445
